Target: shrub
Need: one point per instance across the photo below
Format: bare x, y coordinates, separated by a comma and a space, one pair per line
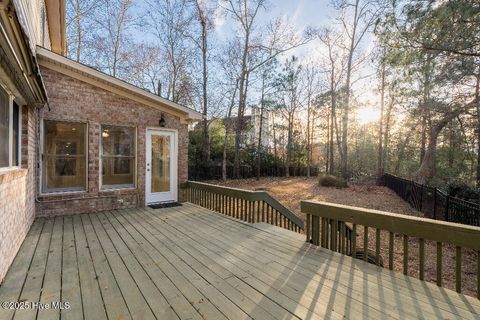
332, 181
464, 191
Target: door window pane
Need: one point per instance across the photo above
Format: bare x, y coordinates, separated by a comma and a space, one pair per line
65, 160
118, 157
4, 129
160, 164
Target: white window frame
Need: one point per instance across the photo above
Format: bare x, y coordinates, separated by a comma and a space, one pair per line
11, 165
44, 191
113, 187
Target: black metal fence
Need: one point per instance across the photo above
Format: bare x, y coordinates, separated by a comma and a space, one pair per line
433, 202
214, 172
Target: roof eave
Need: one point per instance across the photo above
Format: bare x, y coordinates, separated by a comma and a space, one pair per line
50, 59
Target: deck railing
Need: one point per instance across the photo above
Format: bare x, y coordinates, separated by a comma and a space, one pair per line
249, 206
320, 217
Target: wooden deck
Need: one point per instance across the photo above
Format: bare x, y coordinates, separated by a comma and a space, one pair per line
190, 263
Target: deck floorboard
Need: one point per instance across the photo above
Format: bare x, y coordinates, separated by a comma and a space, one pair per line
188, 262
328, 274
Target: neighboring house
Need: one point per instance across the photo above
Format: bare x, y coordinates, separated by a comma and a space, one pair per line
267, 137
251, 127
247, 133
73, 139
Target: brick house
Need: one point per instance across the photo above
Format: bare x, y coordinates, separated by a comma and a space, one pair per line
73, 139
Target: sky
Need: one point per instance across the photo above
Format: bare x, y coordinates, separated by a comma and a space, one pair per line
302, 14
299, 13
318, 14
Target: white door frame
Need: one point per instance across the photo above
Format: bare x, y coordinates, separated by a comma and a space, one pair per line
161, 196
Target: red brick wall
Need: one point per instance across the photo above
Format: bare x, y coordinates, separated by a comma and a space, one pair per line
17, 195
74, 100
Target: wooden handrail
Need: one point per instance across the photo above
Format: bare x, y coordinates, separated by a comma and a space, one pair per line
251, 206
320, 214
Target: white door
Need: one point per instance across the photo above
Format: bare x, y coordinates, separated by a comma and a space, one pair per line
161, 166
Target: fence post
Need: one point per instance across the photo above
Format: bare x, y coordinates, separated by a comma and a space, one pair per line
435, 203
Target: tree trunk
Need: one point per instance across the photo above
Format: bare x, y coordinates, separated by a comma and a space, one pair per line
380, 169
386, 138
402, 151
451, 146
327, 147
225, 138
425, 107
259, 147
423, 142
427, 168
204, 47
289, 145
79, 30
275, 153
224, 158
344, 154
309, 146
331, 165
239, 128
477, 97
241, 104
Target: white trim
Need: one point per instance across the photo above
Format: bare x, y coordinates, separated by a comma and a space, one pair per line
100, 168
42, 160
45, 55
4, 170
20, 132
173, 159
10, 130
10, 138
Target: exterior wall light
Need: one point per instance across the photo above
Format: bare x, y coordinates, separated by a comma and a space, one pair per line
162, 122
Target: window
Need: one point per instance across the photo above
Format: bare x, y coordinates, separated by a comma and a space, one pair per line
16, 135
9, 131
64, 156
118, 157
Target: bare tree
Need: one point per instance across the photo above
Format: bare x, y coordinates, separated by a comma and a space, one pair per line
78, 32
171, 21
290, 91
383, 84
257, 48
203, 16
111, 42
335, 71
477, 97
145, 68
357, 17
311, 83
